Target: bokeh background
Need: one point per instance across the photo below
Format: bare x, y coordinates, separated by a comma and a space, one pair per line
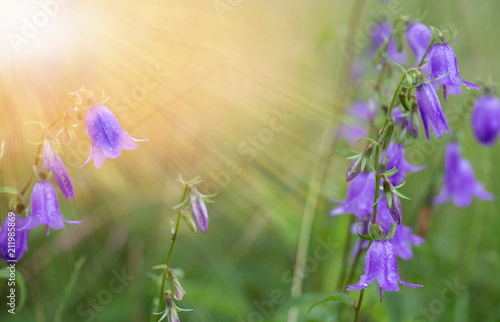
205, 81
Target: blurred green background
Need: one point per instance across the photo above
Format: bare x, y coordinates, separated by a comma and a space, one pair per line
220, 73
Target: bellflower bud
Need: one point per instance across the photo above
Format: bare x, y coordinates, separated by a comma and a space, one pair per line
359, 163
199, 210
393, 202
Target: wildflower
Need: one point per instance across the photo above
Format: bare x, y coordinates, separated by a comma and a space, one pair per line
199, 211
396, 159
45, 208
380, 35
418, 37
459, 180
13, 241
61, 176
381, 264
486, 119
431, 111
108, 138
443, 68
359, 199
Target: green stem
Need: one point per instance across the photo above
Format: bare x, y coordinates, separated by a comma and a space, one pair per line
358, 305
377, 175
170, 250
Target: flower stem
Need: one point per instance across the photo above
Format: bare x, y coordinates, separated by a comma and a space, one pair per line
170, 250
358, 305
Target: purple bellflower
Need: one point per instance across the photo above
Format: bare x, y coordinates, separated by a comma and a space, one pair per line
460, 183
443, 68
418, 37
380, 34
61, 176
199, 211
108, 138
381, 264
45, 208
486, 119
430, 110
396, 159
13, 241
359, 199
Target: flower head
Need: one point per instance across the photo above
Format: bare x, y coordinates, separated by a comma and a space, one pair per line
45, 208
381, 264
418, 37
486, 119
359, 199
443, 68
108, 138
19, 239
459, 180
431, 111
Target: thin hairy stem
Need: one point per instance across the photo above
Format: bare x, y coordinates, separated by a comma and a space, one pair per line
170, 251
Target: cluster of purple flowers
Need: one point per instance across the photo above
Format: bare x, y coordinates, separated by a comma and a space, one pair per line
108, 139
435, 66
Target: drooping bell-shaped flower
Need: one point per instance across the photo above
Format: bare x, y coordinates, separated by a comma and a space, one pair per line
359, 199
199, 211
430, 110
61, 176
13, 241
418, 37
381, 264
460, 183
380, 35
107, 137
396, 159
443, 68
486, 119
45, 208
